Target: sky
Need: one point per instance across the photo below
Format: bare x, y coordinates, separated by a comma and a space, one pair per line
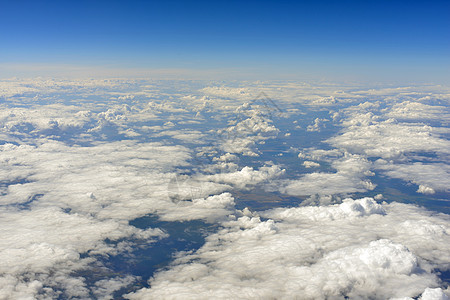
391, 40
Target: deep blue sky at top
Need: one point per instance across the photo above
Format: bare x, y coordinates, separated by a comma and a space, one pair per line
294, 35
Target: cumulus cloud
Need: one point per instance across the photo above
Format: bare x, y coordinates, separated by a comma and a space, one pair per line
247, 176
350, 177
65, 201
387, 139
191, 136
314, 253
251, 127
43, 117
228, 92
428, 176
211, 209
317, 125
41, 248
423, 189
81, 159
411, 151
418, 111
434, 294
310, 164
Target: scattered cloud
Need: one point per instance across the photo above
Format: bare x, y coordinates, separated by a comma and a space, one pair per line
80, 159
357, 249
350, 177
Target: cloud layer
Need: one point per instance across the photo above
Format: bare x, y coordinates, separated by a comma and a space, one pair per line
80, 160
359, 249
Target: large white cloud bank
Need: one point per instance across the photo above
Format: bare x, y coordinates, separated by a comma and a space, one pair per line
358, 249
80, 160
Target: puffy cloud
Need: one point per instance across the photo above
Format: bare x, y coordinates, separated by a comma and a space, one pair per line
350, 177
324, 183
81, 159
423, 189
317, 125
358, 249
428, 176
388, 139
409, 110
246, 176
348, 208
434, 294
413, 152
211, 209
41, 250
42, 119
251, 127
229, 92
191, 136
310, 164
65, 201
106, 287
65, 204
68, 122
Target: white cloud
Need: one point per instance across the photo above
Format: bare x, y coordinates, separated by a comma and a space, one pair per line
434, 294
317, 125
423, 189
428, 176
413, 152
42, 246
228, 92
43, 117
73, 199
311, 164
191, 136
211, 209
358, 249
246, 176
250, 127
350, 177
348, 208
387, 139
409, 110
68, 186
106, 287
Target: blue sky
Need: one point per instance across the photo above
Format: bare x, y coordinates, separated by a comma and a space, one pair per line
359, 38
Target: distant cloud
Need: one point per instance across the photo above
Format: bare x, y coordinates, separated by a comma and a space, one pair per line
371, 131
